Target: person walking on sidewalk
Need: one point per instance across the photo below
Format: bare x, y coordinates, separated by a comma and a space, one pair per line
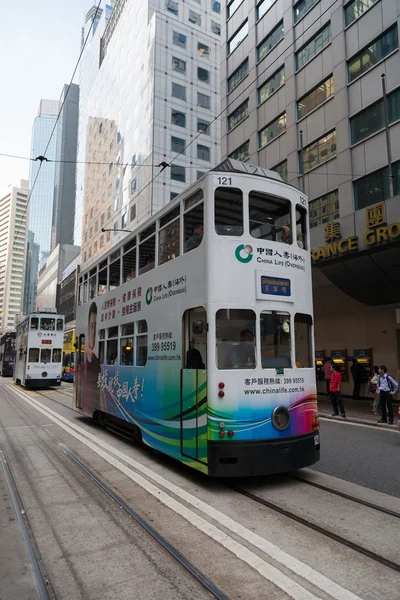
336, 397
356, 372
387, 387
327, 373
373, 388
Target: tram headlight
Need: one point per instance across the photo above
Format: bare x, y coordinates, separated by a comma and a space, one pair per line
280, 418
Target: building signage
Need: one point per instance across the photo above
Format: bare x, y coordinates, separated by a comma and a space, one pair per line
377, 232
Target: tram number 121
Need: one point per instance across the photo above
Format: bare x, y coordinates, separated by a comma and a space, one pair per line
224, 180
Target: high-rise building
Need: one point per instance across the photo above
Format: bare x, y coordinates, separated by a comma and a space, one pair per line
13, 207
155, 87
31, 274
303, 95
65, 172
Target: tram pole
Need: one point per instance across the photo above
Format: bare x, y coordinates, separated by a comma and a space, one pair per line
388, 141
301, 161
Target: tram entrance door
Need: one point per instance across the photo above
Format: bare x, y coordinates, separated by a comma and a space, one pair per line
193, 410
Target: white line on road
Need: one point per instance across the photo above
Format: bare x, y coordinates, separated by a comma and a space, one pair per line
374, 427
269, 572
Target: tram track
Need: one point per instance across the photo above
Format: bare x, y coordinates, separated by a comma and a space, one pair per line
170, 549
320, 529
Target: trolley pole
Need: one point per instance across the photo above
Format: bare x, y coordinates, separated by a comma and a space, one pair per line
301, 161
388, 141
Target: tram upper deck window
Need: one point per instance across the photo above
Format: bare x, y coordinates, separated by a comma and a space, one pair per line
34, 323
60, 324
115, 269
303, 340
147, 250
141, 343
235, 333
33, 355
169, 236
275, 340
269, 218
228, 211
193, 221
102, 278
47, 324
92, 283
129, 261
301, 227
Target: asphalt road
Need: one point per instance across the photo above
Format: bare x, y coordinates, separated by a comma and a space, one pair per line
362, 455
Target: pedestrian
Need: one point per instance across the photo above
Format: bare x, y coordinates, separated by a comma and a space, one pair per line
373, 389
356, 372
387, 387
336, 396
327, 374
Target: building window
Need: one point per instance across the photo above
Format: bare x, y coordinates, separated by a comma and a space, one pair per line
177, 145
134, 161
282, 170
263, 7
238, 75
215, 28
242, 152
271, 85
203, 49
203, 75
178, 91
324, 209
232, 7
203, 100
374, 187
319, 152
173, 195
203, 127
178, 65
302, 7
172, 6
178, 173
179, 39
238, 115
132, 213
203, 152
194, 18
374, 53
133, 186
178, 118
272, 130
313, 46
272, 39
238, 37
356, 8
315, 98
124, 220
216, 6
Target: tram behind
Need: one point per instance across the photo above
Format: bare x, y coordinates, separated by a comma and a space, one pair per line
197, 330
7, 354
38, 350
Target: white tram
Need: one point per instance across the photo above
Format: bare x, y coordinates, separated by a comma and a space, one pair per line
38, 350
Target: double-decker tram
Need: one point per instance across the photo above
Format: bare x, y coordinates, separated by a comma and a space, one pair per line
196, 331
68, 366
7, 354
38, 350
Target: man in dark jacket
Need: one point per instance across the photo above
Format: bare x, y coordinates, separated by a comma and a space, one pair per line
356, 372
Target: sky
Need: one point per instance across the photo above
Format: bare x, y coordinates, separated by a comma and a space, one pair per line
39, 47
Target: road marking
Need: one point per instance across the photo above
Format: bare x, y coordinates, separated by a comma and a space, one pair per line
328, 420
269, 572
27, 426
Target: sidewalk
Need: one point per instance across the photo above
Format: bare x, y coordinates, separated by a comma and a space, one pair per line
357, 411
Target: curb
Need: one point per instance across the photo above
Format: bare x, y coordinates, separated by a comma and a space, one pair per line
358, 421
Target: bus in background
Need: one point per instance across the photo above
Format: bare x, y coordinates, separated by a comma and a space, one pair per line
68, 367
7, 354
196, 332
38, 350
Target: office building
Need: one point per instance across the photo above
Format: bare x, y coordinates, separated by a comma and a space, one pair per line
302, 93
31, 273
51, 274
13, 207
149, 83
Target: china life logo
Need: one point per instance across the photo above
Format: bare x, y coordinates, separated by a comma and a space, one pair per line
149, 295
243, 253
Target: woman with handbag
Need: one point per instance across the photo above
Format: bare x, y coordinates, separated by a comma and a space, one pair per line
373, 388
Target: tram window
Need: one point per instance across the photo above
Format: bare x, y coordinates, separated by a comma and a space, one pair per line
147, 252
56, 355
129, 265
126, 351
303, 340
92, 284
34, 323
168, 242
269, 218
47, 324
194, 199
115, 273
102, 284
102, 346
33, 354
60, 324
45, 355
194, 228
112, 332
80, 294
141, 343
275, 340
102, 334
85, 290
235, 334
112, 352
301, 227
228, 211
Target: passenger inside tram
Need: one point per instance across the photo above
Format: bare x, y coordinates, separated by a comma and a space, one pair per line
243, 355
148, 266
195, 239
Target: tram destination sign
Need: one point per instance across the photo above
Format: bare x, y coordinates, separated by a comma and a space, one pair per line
275, 286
